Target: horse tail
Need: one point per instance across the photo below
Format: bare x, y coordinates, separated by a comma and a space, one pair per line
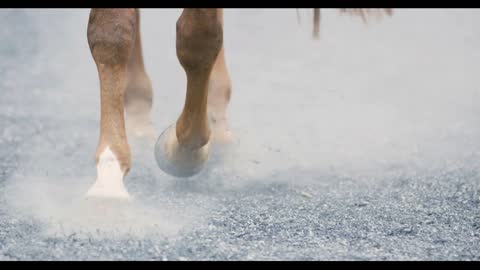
364, 13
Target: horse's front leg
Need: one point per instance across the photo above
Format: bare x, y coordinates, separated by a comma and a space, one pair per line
111, 37
183, 149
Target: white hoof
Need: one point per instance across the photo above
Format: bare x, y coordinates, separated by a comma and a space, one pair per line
176, 160
109, 182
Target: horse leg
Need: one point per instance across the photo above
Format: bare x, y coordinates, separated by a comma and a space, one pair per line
183, 149
111, 37
219, 93
138, 94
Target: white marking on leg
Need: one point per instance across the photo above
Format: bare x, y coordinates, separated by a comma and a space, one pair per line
109, 182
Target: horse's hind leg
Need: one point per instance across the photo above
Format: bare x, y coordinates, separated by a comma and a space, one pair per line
219, 93
111, 37
138, 94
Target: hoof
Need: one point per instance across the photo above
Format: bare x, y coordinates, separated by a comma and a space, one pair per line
109, 182
176, 160
101, 190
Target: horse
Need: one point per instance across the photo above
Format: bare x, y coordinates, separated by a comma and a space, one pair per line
126, 95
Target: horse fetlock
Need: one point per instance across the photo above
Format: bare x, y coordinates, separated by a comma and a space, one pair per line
192, 136
110, 174
117, 153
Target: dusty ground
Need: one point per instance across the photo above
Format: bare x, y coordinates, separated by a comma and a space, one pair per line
362, 146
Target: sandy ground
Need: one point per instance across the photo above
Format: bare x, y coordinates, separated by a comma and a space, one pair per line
361, 146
